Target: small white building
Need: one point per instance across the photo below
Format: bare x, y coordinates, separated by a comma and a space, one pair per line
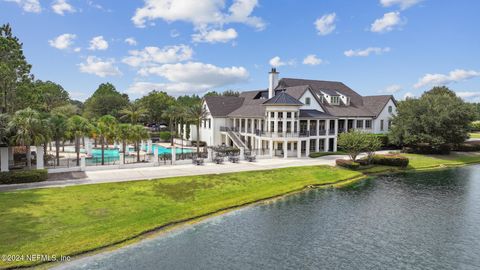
293, 117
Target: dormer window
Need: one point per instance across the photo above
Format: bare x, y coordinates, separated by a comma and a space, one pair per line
307, 101
335, 100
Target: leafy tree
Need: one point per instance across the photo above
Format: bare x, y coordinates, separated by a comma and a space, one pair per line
106, 100
197, 113
436, 119
58, 125
67, 110
226, 93
78, 126
155, 104
188, 101
5, 132
106, 126
138, 133
134, 112
48, 95
372, 144
14, 69
170, 113
354, 142
28, 130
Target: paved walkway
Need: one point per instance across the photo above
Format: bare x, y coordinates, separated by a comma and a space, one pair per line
133, 174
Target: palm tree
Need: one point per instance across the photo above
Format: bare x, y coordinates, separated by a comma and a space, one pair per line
138, 133
106, 126
28, 128
182, 116
170, 113
133, 112
197, 113
58, 125
124, 134
78, 126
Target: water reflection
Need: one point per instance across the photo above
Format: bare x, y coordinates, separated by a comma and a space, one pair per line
428, 220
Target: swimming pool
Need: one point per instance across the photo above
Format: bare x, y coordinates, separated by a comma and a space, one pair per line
164, 150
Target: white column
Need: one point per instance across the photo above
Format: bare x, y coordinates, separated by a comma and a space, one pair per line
275, 119
155, 155
307, 149
299, 149
285, 149
308, 127
318, 130
83, 163
40, 154
336, 127
174, 154
325, 145
317, 145
242, 153
150, 146
4, 159
88, 147
335, 145
284, 125
270, 147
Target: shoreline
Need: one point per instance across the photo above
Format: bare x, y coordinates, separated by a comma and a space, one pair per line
175, 225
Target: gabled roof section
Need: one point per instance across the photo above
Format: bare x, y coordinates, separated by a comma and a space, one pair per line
283, 98
376, 103
315, 114
329, 87
221, 106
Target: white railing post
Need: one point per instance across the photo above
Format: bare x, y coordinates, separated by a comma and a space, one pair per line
4, 159
40, 154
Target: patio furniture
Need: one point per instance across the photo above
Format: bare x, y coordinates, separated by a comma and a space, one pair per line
251, 158
218, 160
197, 161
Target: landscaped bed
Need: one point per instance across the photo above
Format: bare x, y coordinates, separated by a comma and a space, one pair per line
72, 220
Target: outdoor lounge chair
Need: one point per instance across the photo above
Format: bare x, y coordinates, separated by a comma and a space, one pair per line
234, 159
251, 158
197, 161
218, 160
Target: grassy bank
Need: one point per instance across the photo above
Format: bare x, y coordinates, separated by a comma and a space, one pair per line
475, 135
72, 220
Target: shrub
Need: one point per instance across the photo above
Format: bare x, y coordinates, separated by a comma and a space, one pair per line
347, 164
467, 147
383, 139
15, 177
165, 136
390, 160
443, 149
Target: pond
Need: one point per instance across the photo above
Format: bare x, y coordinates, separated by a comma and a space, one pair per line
427, 220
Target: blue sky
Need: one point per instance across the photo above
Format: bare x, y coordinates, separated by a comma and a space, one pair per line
400, 47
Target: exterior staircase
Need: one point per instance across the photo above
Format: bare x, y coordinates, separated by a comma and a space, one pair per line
236, 139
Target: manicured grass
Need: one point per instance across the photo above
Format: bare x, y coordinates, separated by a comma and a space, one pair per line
475, 135
429, 161
64, 221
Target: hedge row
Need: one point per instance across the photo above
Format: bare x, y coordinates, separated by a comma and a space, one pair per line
322, 154
347, 164
16, 177
390, 160
467, 147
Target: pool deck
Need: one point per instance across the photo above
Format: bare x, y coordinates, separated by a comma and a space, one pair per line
164, 171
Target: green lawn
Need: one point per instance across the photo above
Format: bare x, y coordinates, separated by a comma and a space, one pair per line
429, 161
71, 220
475, 135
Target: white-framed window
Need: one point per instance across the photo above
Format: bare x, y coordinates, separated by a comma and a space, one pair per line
307, 101
335, 100
359, 123
390, 109
368, 123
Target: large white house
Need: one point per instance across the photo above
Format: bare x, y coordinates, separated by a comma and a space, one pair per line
293, 117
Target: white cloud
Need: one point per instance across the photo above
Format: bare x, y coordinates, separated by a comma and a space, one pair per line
131, 41
78, 49
276, 62
151, 56
470, 96
214, 36
387, 23
98, 43
28, 5
392, 89
62, 6
403, 4
190, 77
99, 67
326, 24
313, 60
444, 79
366, 52
199, 13
62, 42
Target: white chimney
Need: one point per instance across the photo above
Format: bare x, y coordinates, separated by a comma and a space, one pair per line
272, 82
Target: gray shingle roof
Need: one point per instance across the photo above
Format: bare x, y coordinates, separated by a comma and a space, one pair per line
221, 106
315, 114
283, 98
376, 103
